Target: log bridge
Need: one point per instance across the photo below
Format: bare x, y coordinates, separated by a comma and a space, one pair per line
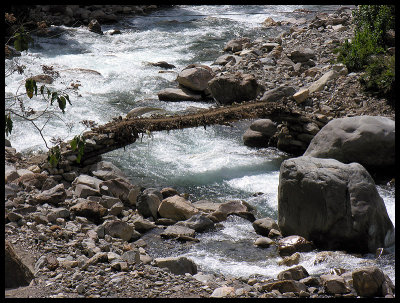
122, 132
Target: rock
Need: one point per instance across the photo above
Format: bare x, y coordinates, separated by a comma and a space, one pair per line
238, 208
369, 281
335, 205
42, 78
89, 209
321, 82
264, 126
87, 180
178, 94
236, 45
142, 225
334, 284
118, 187
229, 88
118, 229
105, 170
368, 140
293, 259
131, 256
198, 222
18, 273
29, 180
253, 138
295, 273
302, 55
142, 110
195, 78
54, 195
291, 244
176, 208
284, 286
301, 95
224, 59
84, 191
263, 226
269, 22
278, 93
163, 64
177, 265
95, 27
176, 231
263, 242
133, 195
168, 192
10, 173
223, 292
273, 233
206, 206
148, 204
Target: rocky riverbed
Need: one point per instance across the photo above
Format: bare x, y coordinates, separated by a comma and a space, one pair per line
85, 232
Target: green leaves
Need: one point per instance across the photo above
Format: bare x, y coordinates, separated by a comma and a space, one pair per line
54, 156
30, 86
78, 143
22, 40
8, 124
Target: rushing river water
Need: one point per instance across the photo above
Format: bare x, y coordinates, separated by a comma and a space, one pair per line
207, 163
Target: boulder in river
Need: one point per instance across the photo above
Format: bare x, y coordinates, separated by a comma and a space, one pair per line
335, 205
195, 78
177, 265
370, 281
178, 94
368, 140
229, 88
176, 208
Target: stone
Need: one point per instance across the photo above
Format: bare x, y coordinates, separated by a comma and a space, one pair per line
18, 273
143, 110
131, 256
178, 94
105, 170
368, 140
195, 78
264, 225
95, 27
301, 95
84, 191
274, 233
116, 209
223, 292
284, 286
302, 55
236, 45
133, 195
168, 192
278, 93
291, 244
293, 259
334, 284
89, 209
368, 281
147, 205
198, 222
176, 208
253, 138
118, 229
176, 231
269, 22
294, 273
177, 265
229, 88
263, 242
118, 188
238, 208
265, 126
142, 225
321, 82
335, 205
226, 58
53, 195
87, 180
42, 78
206, 206
10, 173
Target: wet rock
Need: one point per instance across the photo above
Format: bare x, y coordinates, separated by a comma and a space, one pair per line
229, 88
238, 208
274, 233
17, 272
263, 242
176, 208
264, 225
290, 260
291, 244
42, 78
370, 281
195, 78
176, 231
198, 222
334, 284
255, 139
177, 265
368, 140
295, 273
206, 206
148, 204
95, 27
178, 94
142, 110
168, 192
163, 64
315, 194
236, 45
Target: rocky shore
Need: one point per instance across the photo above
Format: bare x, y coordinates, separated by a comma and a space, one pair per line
85, 232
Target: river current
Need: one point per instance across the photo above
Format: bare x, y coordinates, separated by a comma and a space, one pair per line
209, 163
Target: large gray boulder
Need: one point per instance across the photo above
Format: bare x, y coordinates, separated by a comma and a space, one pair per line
229, 88
17, 272
335, 205
195, 78
259, 133
368, 140
177, 265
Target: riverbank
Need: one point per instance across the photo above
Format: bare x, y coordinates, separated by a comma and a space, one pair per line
43, 230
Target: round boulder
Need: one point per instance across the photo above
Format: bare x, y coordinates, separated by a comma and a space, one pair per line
195, 78
335, 205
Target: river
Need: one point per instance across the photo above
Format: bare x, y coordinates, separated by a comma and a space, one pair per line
209, 163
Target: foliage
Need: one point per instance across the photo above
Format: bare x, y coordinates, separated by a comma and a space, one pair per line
78, 143
22, 40
367, 51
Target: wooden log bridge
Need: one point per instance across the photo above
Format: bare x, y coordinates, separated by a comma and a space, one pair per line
122, 132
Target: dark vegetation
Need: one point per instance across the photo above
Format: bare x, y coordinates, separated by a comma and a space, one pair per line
371, 49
